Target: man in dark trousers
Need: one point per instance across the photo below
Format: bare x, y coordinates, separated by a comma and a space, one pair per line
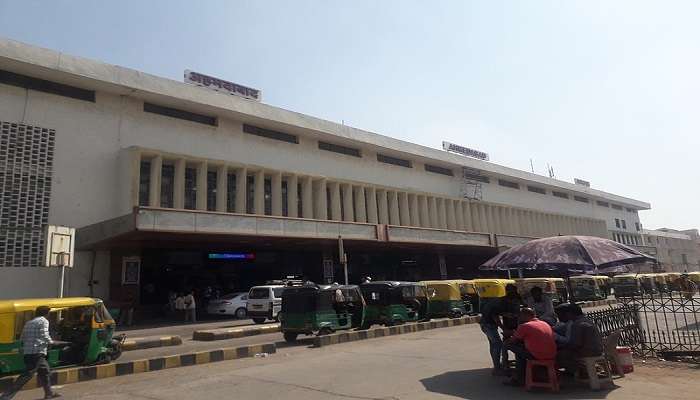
35, 346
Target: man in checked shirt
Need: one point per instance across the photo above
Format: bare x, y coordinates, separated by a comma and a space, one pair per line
35, 346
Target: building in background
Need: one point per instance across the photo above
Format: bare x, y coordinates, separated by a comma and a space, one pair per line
174, 186
676, 251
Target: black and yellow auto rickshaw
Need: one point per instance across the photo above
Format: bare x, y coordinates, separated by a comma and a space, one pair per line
392, 302
320, 309
604, 283
648, 283
548, 286
81, 327
446, 299
586, 288
661, 283
627, 285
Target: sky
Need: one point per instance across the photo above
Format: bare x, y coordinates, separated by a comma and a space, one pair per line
606, 91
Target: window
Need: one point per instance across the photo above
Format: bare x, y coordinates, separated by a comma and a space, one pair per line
508, 184
179, 114
167, 186
617, 207
603, 203
637, 227
190, 188
684, 257
144, 183
536, 189
231, 192
300, 199
636, 240
471, 174
250, 195
581, 199
211, 190
285, 198
624, 224
561, 195
438, 170
631, 210
270, 134
336, 148
393, 160
40, 85
268, 196
617, 223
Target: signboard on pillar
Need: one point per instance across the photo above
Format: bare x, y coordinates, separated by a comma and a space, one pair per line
328, 274
131, 270
443, 267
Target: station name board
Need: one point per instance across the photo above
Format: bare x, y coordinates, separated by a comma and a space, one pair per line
465, 151
582, 182
221, 85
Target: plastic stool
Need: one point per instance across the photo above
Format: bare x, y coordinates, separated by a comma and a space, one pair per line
552, 379
590, 364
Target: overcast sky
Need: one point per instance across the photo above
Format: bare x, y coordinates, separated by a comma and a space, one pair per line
607, 91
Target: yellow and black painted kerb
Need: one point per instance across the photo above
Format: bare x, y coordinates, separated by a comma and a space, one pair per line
224, 334
150, 343
82, 374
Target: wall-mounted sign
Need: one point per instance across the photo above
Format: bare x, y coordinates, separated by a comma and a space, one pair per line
231, 256
131, 270
465, 151
221, 85
60, 246
582, 182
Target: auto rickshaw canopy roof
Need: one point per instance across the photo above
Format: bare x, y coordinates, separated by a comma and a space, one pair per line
444, 290
21, 305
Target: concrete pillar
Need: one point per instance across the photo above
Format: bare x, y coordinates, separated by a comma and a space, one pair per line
334, 188
459, 214
404, 209
484, 217
382, 206
241, 190
221, 188
442, 213
424, 212
154, 181
372, 212
415, 209
360, 204
259, 193
202, 170
475, 209
468, 216
179, 184
433, 208
451, 218
491, 221
307, 197
348, 205
320, 201
276, 193
293, 196
394, 213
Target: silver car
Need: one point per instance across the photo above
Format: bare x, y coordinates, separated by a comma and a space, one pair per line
230, 304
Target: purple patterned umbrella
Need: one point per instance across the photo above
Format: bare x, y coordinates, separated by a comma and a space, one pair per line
569, 254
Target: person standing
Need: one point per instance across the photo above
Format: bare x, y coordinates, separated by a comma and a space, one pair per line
35, 347
491, 310
180, 306
190, 308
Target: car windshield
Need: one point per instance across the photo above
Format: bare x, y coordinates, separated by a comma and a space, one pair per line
259, 293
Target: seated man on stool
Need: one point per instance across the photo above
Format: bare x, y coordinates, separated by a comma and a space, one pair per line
533, 340
581, 337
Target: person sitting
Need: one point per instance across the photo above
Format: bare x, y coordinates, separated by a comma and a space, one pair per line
533, 340
542, 304
580, 338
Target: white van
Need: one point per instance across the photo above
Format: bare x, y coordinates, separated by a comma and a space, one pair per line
264, 302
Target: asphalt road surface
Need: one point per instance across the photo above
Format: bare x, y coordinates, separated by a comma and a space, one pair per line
449, 363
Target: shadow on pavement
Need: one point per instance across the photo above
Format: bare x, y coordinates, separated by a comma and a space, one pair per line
478, 384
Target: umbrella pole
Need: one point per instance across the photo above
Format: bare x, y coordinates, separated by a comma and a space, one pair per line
572, 298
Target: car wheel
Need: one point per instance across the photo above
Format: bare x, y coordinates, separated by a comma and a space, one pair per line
241, 313
259, 320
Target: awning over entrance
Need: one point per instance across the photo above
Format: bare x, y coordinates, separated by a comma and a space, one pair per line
147, 222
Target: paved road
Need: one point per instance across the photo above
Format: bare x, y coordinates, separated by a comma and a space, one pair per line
449, 363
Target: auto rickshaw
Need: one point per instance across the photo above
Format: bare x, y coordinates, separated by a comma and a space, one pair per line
391, 302
489, 289
446, 299
81, 327
661, 283
562, 291
695, 277
320, 309
469, 294
586, 288
547, 285
604, 283
672, 280
648, 283
627, 285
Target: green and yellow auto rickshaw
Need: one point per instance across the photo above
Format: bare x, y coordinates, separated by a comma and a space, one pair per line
627, 285
661, 283
604, 283
446, 299
391, 302
586, 288
648, 283
672, 279
490, 289
81, 327
320, 309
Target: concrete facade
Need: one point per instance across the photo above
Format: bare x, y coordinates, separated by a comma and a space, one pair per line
676, 251
111, 156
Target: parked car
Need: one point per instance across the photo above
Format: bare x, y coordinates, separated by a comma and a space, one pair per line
230, 304
265, 302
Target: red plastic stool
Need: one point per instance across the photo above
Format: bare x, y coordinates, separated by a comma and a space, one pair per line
552, 381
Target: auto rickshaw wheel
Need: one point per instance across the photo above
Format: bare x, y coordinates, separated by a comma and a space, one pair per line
325, 331
259, 320
290, 337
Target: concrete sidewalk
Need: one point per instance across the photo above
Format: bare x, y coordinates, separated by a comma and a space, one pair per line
449, 363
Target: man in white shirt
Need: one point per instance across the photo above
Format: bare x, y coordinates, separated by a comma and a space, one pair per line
190, 308
35, 347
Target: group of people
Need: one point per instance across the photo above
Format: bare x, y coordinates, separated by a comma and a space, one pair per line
184, 306
535, 329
